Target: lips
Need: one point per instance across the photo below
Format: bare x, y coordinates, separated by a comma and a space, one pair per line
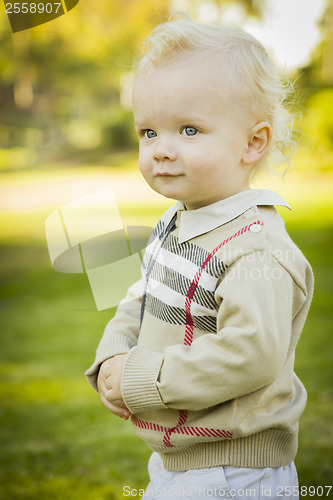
166, 174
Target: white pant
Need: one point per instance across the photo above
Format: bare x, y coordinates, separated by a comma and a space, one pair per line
231, 483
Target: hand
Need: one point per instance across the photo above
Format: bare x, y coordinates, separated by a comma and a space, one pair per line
109, 386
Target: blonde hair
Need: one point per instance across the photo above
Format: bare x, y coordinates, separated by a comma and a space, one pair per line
246, 66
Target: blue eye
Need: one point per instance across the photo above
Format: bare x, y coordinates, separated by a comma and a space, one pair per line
190, 131
150, 134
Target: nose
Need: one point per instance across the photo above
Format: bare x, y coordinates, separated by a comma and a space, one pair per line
164, 150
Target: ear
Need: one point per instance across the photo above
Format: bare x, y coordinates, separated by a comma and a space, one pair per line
259, 139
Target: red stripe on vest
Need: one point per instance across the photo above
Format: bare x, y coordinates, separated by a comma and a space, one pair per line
188, 339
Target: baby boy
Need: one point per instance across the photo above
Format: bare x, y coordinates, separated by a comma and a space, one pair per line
201, 353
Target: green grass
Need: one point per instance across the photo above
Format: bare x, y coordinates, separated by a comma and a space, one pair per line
57, 439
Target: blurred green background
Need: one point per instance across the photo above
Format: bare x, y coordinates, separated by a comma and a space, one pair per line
66, 131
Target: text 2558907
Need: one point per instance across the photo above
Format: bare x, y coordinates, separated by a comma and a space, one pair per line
32, 8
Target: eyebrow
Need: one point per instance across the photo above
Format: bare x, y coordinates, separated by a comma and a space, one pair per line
184, 120
141, 126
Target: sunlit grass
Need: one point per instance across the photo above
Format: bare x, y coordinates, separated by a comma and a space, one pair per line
57, 440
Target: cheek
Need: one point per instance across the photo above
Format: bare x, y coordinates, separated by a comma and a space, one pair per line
203, 164
204, 152
144, 163
209, 173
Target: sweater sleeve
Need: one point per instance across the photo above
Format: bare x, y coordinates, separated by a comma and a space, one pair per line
121, 333
258, 300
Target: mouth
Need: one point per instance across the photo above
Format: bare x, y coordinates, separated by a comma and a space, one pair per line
166, 174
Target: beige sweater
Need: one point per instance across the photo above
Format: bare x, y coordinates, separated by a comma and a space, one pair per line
209, 377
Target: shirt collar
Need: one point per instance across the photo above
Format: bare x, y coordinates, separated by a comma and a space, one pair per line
193, 223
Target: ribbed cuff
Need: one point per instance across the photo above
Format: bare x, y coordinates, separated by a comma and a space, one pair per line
110, 346
139, 380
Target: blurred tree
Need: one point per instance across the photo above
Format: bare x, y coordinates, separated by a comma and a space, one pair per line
327, 46
61, 83
69, 69
251, 7
316, 83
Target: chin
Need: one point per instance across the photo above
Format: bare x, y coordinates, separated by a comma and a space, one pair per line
167, 194
166, 191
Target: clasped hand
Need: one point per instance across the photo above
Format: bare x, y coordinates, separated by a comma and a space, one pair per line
109, 386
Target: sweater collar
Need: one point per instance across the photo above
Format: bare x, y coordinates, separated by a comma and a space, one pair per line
193, 223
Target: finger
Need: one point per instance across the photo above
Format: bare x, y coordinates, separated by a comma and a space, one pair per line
100, 379
120, 403
108, 383
112, 395
105, 368
101, 385
116, 410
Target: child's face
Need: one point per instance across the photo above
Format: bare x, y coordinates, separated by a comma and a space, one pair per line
193, 133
